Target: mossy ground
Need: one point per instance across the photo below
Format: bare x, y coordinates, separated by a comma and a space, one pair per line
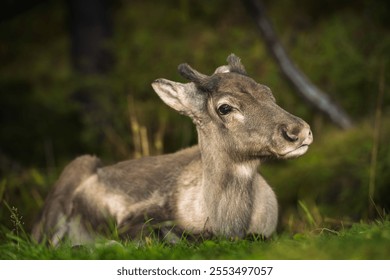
361, 241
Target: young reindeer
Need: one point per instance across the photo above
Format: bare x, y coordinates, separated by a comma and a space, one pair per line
209, 189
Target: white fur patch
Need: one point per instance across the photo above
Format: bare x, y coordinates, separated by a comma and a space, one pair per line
115, 204
239, 117
60, 229
191, 212
244, 170
265, 209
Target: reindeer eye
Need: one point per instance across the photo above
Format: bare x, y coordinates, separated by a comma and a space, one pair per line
224, 109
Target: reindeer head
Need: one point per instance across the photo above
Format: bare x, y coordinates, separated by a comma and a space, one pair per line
235, 114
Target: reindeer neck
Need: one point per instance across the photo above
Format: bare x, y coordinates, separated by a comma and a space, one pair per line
227, 190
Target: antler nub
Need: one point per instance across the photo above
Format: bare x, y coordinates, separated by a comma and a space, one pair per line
191, 74
235, 64
208, 83
203, 82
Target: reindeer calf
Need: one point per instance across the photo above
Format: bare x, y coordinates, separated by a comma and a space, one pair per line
212, 188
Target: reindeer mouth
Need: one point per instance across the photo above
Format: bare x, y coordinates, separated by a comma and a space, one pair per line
296, 152
286, 154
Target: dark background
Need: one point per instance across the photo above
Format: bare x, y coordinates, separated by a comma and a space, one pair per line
75, 78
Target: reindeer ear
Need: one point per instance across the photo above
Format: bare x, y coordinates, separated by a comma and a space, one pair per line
181, 97
222, 69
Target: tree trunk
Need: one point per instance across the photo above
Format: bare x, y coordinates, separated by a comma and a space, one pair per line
311, 93
90, 29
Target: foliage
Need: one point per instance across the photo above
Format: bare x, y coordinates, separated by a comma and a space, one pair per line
332, 179
361, 241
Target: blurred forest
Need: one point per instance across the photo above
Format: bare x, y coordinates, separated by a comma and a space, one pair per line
72, 84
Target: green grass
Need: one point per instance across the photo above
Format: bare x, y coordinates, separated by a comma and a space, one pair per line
361, 241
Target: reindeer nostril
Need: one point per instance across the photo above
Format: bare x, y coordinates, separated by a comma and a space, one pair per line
290, 136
